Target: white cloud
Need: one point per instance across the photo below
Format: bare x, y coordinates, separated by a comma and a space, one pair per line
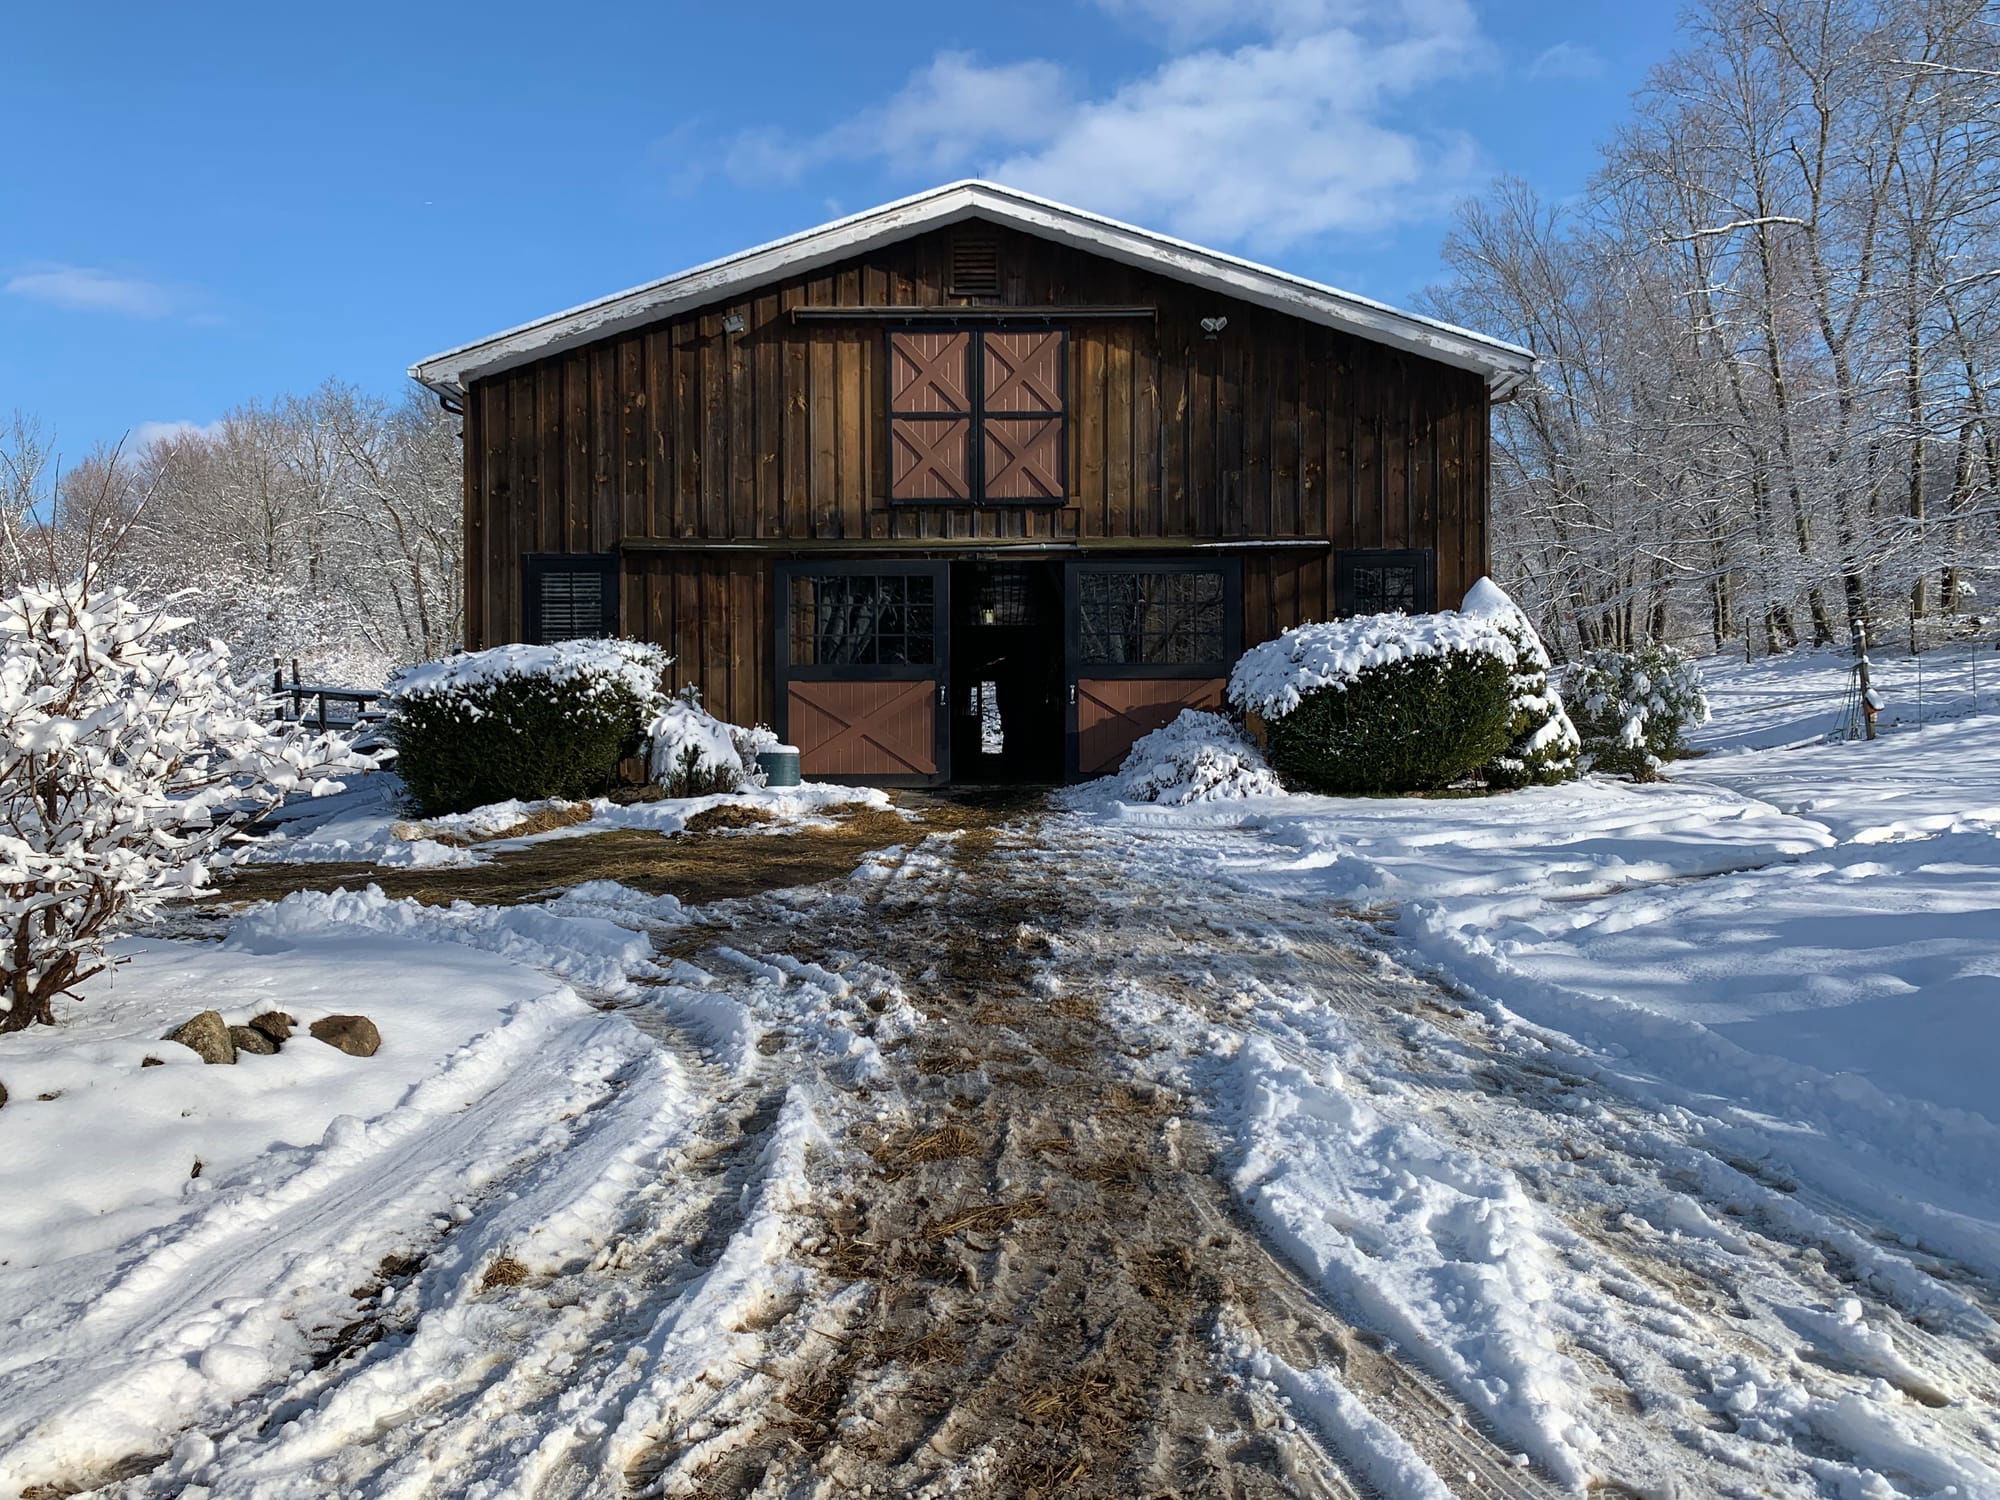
148, 434
948, 112
87, 289
1263, 142
1181, 21
1566, 60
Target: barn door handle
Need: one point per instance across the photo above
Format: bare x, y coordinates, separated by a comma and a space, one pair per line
941, 697
1072, 695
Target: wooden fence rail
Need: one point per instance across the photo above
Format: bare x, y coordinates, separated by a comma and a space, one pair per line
362, 705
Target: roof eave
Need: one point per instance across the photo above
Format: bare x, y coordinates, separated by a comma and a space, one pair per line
1503, 365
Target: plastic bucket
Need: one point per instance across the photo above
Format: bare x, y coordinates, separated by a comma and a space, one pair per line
780, 765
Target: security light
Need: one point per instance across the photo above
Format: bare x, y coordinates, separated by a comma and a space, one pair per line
1210, 327
734, 323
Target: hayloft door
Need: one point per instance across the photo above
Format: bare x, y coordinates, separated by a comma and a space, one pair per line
863, 674
1147, 638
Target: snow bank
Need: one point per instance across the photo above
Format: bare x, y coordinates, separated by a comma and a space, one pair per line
1383, 1455
1271, 679
590, 951
180, 1236
788, 806
718, 748
367, 824
112, 1153
632, 665
1199, 757
362, 824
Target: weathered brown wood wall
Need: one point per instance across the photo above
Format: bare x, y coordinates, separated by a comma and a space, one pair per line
1275, 429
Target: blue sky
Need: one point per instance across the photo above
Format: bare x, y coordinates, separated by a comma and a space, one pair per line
211, 202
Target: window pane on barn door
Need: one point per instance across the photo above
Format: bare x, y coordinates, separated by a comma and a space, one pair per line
1128, 617
1382, 582
863, 620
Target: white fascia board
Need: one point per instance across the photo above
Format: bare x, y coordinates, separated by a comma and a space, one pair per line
1504, 365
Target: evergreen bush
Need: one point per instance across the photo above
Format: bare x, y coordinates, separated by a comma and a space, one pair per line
526, 722
1633, 708
1543, 745
1410, 703
691, 753
1413, 725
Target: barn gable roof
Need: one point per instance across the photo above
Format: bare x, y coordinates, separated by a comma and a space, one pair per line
1504, 366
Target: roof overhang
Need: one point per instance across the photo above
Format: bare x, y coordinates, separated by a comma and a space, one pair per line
1504, 366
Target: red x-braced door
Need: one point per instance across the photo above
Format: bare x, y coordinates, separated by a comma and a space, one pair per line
862, 670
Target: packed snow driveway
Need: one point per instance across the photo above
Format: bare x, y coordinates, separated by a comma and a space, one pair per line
1029, 1161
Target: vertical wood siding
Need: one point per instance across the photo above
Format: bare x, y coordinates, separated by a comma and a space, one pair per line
1275, 429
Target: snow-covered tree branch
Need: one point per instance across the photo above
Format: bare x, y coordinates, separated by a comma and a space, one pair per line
124, 759
1769, 403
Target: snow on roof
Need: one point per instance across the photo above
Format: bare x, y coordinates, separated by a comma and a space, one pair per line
1505, 366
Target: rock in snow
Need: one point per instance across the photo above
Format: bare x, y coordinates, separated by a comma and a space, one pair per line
354, 1035
250, 1039
275, 1024
207, 1035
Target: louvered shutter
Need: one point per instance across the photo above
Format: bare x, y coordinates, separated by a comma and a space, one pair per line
570, 598
930, 416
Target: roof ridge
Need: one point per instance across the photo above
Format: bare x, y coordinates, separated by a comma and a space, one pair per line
1504, 364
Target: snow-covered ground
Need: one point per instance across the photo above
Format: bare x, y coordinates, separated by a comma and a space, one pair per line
1729, 1030
1806, 938
1639, 1134
178, 1236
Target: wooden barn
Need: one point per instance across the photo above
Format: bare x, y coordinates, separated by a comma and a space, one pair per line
970, 487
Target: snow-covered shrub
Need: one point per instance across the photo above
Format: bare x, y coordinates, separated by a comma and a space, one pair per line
118, 751
691, 753
1382, 703
1199, 757
1633, 707
1543, 747
526, 722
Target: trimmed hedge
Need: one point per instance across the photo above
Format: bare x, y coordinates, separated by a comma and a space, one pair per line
1414, 725
522, 722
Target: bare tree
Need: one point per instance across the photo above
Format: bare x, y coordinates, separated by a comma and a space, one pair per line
1770, 335
325, 527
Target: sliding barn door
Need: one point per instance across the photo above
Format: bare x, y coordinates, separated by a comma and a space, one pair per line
1146, 640
862, 670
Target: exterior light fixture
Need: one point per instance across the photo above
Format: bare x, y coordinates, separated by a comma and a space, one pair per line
734, 323
1210, 327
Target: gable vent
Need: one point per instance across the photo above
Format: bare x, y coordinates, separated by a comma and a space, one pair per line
975, 267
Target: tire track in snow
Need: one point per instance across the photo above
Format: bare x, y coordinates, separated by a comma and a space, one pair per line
1463, 1078
1266, 1294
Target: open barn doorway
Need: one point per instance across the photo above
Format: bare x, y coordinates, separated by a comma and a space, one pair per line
1007, 668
